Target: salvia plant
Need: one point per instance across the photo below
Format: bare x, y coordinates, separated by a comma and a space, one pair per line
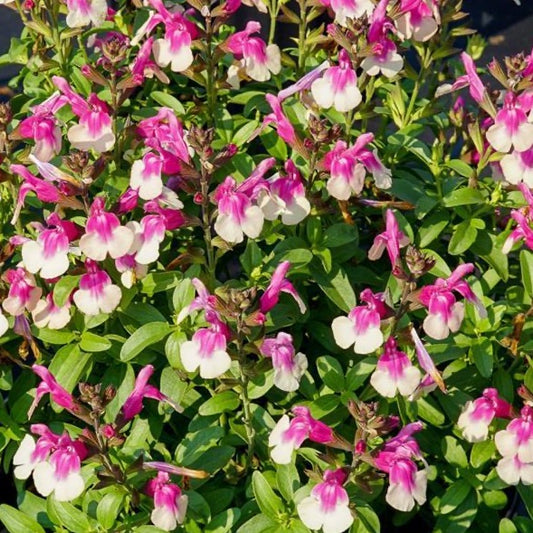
265, 268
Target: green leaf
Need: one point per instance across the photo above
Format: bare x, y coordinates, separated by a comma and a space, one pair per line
507, 526
66, 515
339, 235
144, 337
225, 401
366, 520
244, 133
331, 373
454, 452
16, 522
490, 250
109, 507
462, 168
358, 374
482, 353
90, 342
463, 196
268, 502
526, 270
168, 100
335, 285
223, 522
287, 480
63, 289
482, 453
183, 294
432, 227
259, 524
68, 365
463, 237
454, 496
526, 493
252, 257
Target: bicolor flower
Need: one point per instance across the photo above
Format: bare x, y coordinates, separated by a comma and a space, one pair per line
338, 86
523, 218
418, 20
146, 176
43, 128
517, 167
104, 235
144, 67
48, 255
289, 434
96, 294
49, 385
48, 315
95, 128
165, 134
174, 48
203, 301
511, 126
362, 327
352, 9
348, 166
142, 389
383, 57
445, 314
288, 366
257, 59
515, 445
305, 82
170, 505
148, 235
84, 12
237, 215
394, 372
392, 239
426, 363
285, 196
278, 284
207, 350
23, 294
55, 462
477, 415
131, 271
407, 484
328, 506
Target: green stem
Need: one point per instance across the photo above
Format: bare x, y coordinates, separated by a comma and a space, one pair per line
206, 225
274, 11
246, 405
211, 71
302, 30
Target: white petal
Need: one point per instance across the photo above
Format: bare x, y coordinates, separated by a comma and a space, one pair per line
228, 229
338, 520
190, 355
369, 342
55, 266
506, 443
383, 383
322, 93
276, 434
253, 222
86, 303
343, 331
216, 365
32, 256
110, 299
523, 138
499, 138
310, 513
392, 66
370, 66
435, 327
273, 58
120, 242
409, 381
59, 319
91, 245
296, 211
23, 454
69, 488
339, 188
347, 99
508, 470
399, 498
44, 479
4, 324
164, 519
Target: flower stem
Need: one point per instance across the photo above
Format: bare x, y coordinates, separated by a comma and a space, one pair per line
211, 71
302, 30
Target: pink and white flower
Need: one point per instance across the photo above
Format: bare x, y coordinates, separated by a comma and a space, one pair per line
55, 462
278, 284
517, 167
338, 86
392, 239
95, 128
352, 9
256, 58
170, 505
96, 294
418, 20
237, 215
146, 176
407, 484
104, 235
511, 126
362, 327
289, 434
131, 271
523, 218
43, 128
207, 351
288, 366
285, 197
203, 301
279, 119
304, 83
328, 507
84, 12
144, 67
348, 166
48, 255
445, 314
394, 372
148, 235
174, 48
477, 415
433, 377
23, 294
384, 57
48, 315
142, 389
515, 445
